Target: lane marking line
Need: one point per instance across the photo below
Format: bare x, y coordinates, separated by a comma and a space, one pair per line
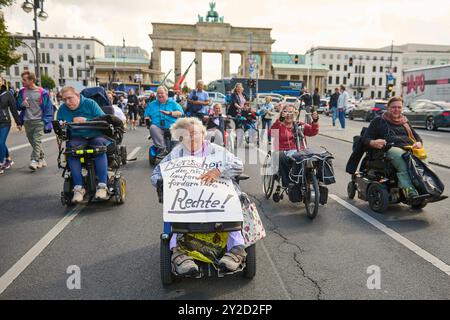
26, 145
280, 280
396, 236
133, 153
8, 278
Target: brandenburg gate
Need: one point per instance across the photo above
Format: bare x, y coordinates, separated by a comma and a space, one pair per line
211, 34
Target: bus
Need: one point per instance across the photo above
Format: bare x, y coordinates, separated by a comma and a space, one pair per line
427, 83
282, 87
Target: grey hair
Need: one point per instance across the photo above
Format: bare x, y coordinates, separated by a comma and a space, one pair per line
163, 88
179, 128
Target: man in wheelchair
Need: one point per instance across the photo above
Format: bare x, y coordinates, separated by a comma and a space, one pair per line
78, 109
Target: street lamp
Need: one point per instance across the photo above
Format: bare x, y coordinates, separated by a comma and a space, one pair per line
28, 6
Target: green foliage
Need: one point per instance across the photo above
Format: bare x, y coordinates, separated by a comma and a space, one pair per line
47, 82
7, 44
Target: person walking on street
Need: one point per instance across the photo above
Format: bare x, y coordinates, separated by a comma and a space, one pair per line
7, 104
316, 100
133, 109
267, 112
198, 102
36, 116
307, 101
342, 106
334, 105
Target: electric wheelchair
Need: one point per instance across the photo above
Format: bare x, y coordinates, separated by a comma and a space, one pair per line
112, 129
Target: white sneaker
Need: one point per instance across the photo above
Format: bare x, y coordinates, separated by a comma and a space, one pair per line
34, 165
42, 163
78, 194
102, 192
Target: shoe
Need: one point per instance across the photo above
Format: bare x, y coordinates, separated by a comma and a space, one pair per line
232, 260
183, 264
34, 165
102, 192
42, 163
410, 193
8, 164
78, 194
2, 171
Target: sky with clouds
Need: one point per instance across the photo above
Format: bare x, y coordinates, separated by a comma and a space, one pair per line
296, 24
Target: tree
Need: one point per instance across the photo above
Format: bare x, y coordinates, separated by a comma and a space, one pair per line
47, 82
8, 55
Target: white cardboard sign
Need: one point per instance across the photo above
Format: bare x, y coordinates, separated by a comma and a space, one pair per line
187, 199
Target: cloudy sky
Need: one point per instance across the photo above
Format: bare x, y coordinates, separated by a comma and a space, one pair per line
297, 25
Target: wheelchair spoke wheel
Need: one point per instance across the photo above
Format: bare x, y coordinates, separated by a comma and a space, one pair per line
268, 177
120, 190
312, 196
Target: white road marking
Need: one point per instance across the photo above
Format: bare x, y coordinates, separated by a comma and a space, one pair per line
7, 279
430, 135
396, 236
134, 152
280, 280
26, 145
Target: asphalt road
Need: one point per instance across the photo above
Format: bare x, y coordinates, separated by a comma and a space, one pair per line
117, 247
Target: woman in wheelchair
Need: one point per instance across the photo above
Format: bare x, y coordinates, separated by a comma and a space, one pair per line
282, 134
78, 109
194, 144
216, 125
393, 128
248, 121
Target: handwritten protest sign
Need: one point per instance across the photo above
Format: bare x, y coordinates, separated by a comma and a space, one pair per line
188, 199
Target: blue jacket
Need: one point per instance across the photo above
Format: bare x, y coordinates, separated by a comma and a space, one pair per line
88, 109
45, 104
153, 111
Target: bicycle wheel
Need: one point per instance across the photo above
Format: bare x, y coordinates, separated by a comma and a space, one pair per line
268, 177
312, 195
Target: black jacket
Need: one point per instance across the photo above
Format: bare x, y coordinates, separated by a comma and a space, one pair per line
232, 110
7, 104
383, 129
316, 99
307, 99
334, 100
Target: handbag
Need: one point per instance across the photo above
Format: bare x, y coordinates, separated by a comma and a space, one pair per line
252, 229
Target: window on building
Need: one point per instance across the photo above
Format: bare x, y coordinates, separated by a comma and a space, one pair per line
295, 77
339, 57
345, 67
380, 82
346, 57
361, 57
61, 72
88, 47
61, 58
331, 67
344, 80
374, 81
42, 45
78, 46
381, 69
331, 56
324, 56
78, 59
282, 77
338, 67
372, 94
25, 57
375, 58
16, 71
79, 75
396, 59
69, 46
356, 82
367, 58
46, 71
330, 80
382, 58
48, 57
374, 69
362, 81
338, 80
33, 45
51, 45
363, 69
70, 72
60, 46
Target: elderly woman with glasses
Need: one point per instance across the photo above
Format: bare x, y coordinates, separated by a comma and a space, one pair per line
283, 137
194, 144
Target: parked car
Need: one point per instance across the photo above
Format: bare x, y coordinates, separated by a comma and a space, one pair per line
428, 114
261, 98
324, 107
368, 110
292, 101
217, 97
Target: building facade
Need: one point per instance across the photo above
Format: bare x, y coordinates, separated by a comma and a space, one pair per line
367, 76
64, 59
126, 52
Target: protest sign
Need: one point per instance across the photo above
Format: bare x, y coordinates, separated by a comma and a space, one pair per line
188, 199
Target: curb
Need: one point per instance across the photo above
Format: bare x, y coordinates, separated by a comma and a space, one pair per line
343, 140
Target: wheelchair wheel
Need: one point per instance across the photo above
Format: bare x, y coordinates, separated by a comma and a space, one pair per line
351, 190
419, 206
268, 178
312, 196
378, 197
165, 263
250, 264
120, 190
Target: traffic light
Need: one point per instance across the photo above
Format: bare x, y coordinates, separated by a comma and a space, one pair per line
296, 59
350, 62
